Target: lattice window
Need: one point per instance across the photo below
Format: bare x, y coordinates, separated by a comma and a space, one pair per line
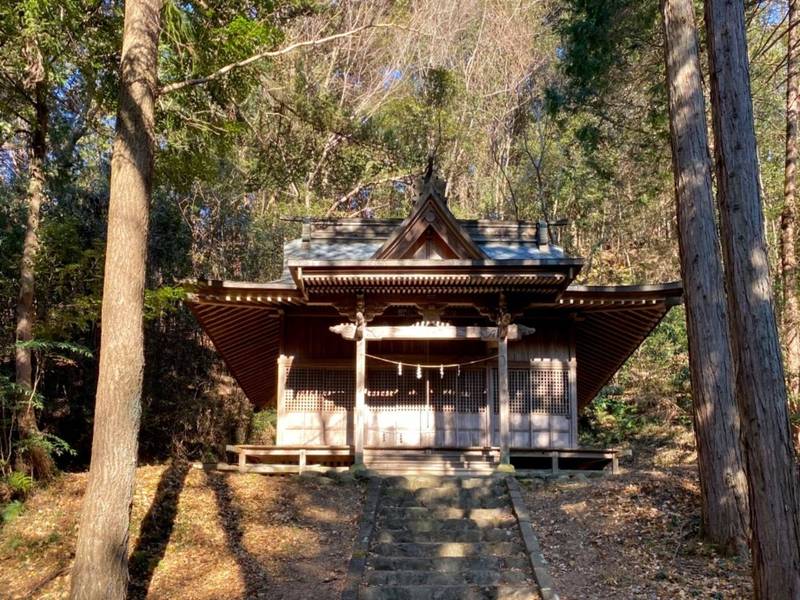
319, 390
542, 391
550, 391
388, 391
464, 392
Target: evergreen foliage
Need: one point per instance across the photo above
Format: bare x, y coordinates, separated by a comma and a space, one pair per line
530, 109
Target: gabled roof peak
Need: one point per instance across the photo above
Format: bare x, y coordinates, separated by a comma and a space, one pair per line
431, 231
430, 184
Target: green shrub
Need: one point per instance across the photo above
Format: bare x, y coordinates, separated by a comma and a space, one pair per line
610, 419
263, 427
11, 511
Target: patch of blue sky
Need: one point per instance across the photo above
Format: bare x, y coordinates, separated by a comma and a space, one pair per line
774, 13
390, 77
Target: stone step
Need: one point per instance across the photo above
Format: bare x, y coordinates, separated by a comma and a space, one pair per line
446, 492
450, 564
468, 504
446, 549
427, 498
437, 535
465, 467
446, 538
422, 513
454, 592
433, 470
431, 524
400, 471
469, 577
414, 482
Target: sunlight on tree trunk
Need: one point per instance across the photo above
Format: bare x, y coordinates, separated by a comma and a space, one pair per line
716, 423
760, 385
101, 559
791, 303
34, 458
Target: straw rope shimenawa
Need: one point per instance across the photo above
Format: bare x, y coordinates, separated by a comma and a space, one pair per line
433, 366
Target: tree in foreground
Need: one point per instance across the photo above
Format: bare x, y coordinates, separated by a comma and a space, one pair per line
39, 459
760, 386
788, 250
716, 422
101, 558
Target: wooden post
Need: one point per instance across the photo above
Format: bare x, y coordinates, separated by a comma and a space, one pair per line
573, 386
301, 461
489, 439
359, 414
283, 362
505, 409
242, 460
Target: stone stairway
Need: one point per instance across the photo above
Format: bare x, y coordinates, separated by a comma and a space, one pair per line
446, 539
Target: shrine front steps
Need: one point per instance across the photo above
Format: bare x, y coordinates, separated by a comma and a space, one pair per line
447, 539
436, 463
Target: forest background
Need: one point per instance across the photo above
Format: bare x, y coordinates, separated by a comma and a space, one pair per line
531, 108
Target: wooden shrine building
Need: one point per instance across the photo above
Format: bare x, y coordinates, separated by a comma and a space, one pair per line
426, 333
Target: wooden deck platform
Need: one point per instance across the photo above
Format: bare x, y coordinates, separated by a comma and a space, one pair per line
296, 459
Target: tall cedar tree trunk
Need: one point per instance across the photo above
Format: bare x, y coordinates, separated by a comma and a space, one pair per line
723, 483
36, 458
101, 559
791, 305
760, 386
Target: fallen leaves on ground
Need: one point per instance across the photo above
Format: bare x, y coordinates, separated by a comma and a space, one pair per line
197, 536
633, 536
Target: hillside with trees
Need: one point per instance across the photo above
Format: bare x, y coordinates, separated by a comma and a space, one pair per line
144, 145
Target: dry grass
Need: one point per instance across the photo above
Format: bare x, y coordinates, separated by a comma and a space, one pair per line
209, 536
636, 535
197, 536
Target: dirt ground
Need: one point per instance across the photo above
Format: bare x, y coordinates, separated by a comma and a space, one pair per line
205, 536
635, 535
197, 536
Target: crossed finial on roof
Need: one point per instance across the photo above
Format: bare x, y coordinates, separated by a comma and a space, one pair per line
430, 183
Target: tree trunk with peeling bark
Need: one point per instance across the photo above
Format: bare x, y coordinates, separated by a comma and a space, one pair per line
101, 559
34, 458
760, 385
791, 302
723, 483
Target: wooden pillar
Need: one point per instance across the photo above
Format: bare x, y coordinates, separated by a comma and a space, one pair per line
502, 395
488, 439
359, 413
573, 383
283, 363
573, 402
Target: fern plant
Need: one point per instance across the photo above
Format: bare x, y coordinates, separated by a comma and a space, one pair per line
20, 483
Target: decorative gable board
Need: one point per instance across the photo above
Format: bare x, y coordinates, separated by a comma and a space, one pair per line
430, 232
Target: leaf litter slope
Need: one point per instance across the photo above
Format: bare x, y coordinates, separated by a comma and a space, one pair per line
196, 535
637, 535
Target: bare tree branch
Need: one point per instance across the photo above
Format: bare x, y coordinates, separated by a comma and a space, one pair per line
179, 85
363, 185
